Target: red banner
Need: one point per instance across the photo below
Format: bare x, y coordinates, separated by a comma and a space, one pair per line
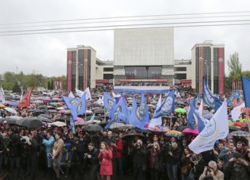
25, 102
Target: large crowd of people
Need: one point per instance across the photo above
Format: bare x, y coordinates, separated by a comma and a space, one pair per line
57, 152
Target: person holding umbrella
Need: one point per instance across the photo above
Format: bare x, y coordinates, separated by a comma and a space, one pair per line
57, 154
105, 155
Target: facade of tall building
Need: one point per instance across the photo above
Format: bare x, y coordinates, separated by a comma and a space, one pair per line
144, 56
81, 67
85, 70
208, 60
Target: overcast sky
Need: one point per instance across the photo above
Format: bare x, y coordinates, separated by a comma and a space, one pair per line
46, 53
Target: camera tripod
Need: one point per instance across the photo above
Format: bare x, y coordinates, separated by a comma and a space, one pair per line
76, 162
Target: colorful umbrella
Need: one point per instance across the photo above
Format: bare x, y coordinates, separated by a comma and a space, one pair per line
2, 106
180, 110
173, 133
191, 131
240, 133
239, 124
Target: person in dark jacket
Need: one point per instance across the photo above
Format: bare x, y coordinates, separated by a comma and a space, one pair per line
173, 156
32, 157
239, 168
92, 158
14, 153
139, 160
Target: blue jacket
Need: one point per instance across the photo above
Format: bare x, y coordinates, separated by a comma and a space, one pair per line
49, 144
224, 156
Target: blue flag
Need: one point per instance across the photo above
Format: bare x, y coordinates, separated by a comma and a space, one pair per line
108, 101
144, 109
120, 112
210, 99
92, 118
167, 106
76, 106
137, 114
236, 94
190, 115
199, 97
72, 125
245, 88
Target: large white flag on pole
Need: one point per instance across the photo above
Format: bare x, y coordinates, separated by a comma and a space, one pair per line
216, 128
156, 121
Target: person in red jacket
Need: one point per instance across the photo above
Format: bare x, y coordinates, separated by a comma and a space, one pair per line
118, 148
105, 155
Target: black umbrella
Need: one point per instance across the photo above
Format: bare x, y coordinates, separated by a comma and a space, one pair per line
132, 135
92, 127
103, 124
94, 105
62, 119
43, 119
181, 128
30, 122
99, 111
8, 120
44, 116
233, 128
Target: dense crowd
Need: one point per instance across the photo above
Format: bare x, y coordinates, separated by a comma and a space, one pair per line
118, 153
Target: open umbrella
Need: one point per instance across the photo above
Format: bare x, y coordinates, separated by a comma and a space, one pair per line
62, 119
13, 111
58, 124
43, 119
81, 123
94, 105
173, 133
13, 103
190, 131
79, 119
30, 122
99, 111
180, 110
2, 106
8, 120
240, 133
44, 115
92, 127
129, 135
116, 125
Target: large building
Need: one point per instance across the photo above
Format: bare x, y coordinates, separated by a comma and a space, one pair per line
85, 70
183, 72
208, 60
144, 56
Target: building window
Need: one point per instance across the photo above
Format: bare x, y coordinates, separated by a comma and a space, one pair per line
107, 76
180, 68
108, 69
180, 76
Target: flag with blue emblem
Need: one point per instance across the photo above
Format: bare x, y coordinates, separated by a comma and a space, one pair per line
236, 94
217, 128
144, 109
156, 121
245, 88
76, 106
167, 106
137, 114
190, 114
120, 112
210, 99
108, 101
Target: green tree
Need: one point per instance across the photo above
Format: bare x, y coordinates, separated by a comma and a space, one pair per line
16, 88
234, 64
245, 73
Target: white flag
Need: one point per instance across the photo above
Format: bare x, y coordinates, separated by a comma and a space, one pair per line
81, 93
71, 95
236, 112
88, 94
2, 95
100, 101
217, 128
156, 121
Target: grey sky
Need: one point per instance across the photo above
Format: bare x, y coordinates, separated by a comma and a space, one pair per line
46, 53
